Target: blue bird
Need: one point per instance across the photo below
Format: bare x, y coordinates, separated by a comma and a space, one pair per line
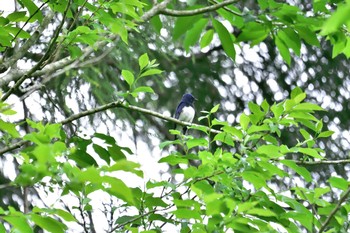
185, 110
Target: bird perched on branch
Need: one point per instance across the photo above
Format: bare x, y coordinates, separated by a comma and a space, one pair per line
185, 110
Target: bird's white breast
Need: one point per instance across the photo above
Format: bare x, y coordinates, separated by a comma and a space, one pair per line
187, 114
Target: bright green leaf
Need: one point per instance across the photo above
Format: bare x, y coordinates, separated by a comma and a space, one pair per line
129, 77
244, 121
143, 61
300, 170
215, 108
325, 134
150, 72
339, 183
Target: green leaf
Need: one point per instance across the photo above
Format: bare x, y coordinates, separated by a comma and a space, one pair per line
67, 216
225, 138
186, 214
143, 61
311, 152
118, 189
308, 107
300, 170
297, 99
48, 224
296, 92
150, 185
255, 178
258, 128
151, 72
174, 159
254, 32
339, 183
225, 38
183, 24
156, 23
290, 39
215, 108
127, 166
325, 134
10, 128
129, 77
233, 131
151, 202
193, 35
102, 153
262, 212
283, 49
337, 19
270, 150
244, 121
143, 89
33, 10
19, 224
207, 38
277, 110
307, 35
196, 142
17, 16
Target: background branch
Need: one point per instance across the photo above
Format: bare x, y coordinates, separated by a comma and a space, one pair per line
334, 211
214, 7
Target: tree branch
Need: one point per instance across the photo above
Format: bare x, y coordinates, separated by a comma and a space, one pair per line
179, 13
24, 48
53, 67
334, 211
339, 161
42, 60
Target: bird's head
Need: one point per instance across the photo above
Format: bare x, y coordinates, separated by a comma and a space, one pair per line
188, 98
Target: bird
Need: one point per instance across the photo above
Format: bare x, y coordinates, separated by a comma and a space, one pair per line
185, 110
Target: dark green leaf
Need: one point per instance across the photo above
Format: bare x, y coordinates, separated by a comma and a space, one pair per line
283, 49
183, 24
207, 38
225, 38
193, 35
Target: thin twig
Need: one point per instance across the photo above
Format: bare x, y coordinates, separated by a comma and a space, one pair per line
25, 23
42, 60
334, 211
179, 13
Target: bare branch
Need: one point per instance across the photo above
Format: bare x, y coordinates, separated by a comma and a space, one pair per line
24, 48
339, 161
334, 211
42, 60
179, 13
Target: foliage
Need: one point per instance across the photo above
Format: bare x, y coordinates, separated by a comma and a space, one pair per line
229, 172
227, 189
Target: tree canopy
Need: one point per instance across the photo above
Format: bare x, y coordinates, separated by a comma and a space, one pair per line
88, 89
